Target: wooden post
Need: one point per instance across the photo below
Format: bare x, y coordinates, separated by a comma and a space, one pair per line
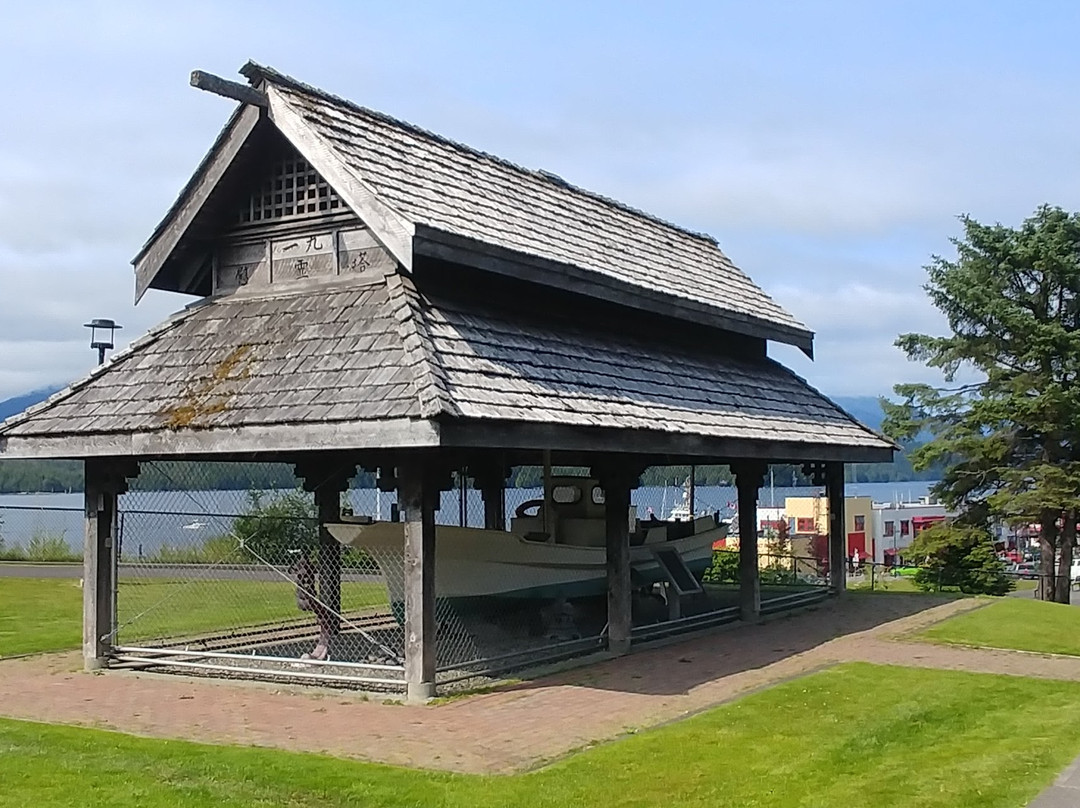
749, 476
417, 496
549, 518
327, 478
463, 496
617, 483
328, 508
834, 485
104, 482
492, 484
495, 506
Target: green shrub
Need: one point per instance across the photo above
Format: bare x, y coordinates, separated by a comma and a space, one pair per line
959, 557
724, 568
49, 547
214, 550
13, 553
167, 554
221, 550
779, 574
269, 529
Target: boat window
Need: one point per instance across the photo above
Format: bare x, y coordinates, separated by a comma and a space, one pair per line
566, 494
597, 495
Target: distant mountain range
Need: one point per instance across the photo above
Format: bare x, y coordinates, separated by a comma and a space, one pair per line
11, 406
866, 408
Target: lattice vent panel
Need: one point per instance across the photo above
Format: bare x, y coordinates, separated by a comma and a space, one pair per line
291, 189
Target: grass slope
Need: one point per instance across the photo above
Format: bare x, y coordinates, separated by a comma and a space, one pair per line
853, 735
45, 614
1020, 624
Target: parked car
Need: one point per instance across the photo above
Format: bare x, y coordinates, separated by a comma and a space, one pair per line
1025, 569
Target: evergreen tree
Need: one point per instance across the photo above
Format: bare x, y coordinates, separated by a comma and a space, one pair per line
1010, 440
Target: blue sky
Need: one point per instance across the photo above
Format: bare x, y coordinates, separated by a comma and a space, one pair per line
828, 146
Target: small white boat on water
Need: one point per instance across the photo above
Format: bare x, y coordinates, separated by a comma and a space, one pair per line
554, 548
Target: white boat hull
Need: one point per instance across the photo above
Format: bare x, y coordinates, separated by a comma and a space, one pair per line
475, 563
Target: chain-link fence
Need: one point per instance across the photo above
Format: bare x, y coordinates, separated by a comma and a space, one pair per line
41, 534
237, 580
929, 578
222, 568
787, 581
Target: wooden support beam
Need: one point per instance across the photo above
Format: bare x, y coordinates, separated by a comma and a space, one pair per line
617, 481
749, 475
491, 480
834, 485
617, 532
327, 478
104, 482
96, 563
546, 509
243, 93
417, 497
494, 506
328, 508
463, 496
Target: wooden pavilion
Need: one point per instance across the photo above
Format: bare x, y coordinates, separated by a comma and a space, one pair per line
371, 294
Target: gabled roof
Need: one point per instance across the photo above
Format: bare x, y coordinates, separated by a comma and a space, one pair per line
382, 365
425, 195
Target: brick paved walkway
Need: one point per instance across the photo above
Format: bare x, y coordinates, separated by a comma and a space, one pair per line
519, 727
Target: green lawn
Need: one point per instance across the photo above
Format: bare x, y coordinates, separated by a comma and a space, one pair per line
883, 582
850, 736
1025, 625
168, 608
45, 614
39, 614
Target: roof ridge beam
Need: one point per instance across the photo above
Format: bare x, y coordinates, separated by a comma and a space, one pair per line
243, 93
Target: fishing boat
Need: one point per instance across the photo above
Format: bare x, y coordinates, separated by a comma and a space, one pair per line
555, 548
684, 511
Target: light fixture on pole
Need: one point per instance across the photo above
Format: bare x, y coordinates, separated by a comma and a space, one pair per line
101, 336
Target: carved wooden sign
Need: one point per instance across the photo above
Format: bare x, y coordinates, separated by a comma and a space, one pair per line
304, 258
359, 253
297, 258
241, 265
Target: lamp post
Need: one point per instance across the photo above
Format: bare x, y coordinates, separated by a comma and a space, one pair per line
101, 336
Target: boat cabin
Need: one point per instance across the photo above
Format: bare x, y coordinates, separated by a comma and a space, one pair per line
572, 512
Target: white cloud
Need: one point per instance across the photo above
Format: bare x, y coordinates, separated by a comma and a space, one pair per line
857, 326
828, 146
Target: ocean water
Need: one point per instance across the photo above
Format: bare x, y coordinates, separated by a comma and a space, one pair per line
155, 519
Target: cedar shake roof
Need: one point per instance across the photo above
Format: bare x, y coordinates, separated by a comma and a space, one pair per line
241, 360
369, 361
434, 195
382, 352
452, 188
498, 368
